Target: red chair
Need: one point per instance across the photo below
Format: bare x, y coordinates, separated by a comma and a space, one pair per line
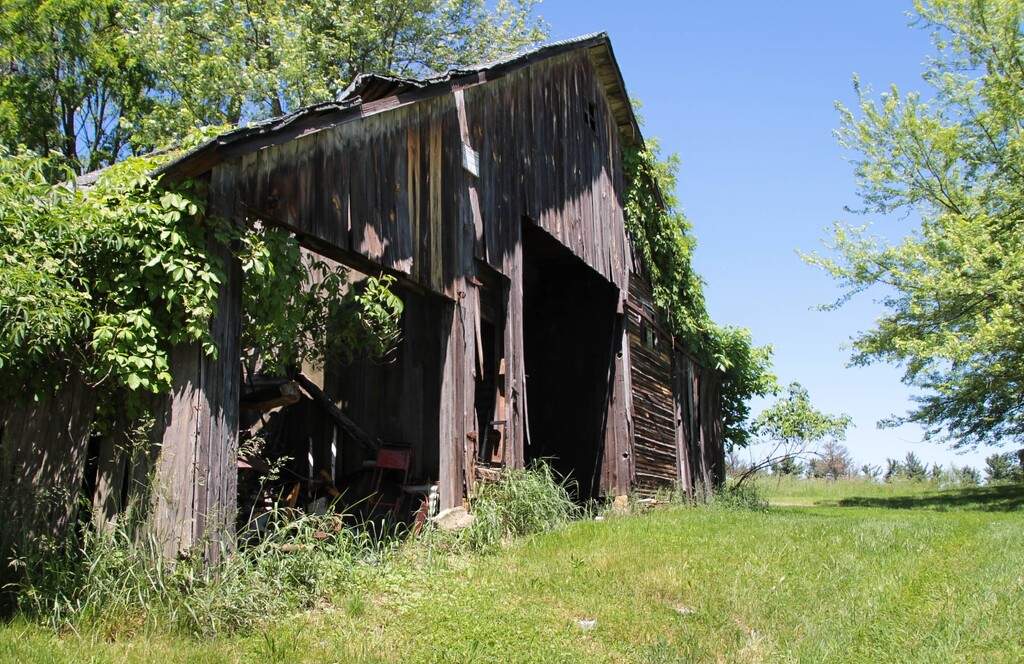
394, 463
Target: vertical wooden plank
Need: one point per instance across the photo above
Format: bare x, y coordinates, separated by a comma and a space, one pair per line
711, 419
402, 238
452, 416
678, 396
454, 213
173, 492
692, 425
387, 196
221, 391
627, 471
254, 170
248, 181
470, 314
331, 187
309, 173
474, 226
515, 379
357, 170
446, 485
618, 441
435, 215
42, 459
285, 187
374, 214
345, 173
703, 472
413, 197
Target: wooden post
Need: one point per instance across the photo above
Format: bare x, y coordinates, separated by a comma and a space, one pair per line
679, 364
451, 416
195, 493
516, 430
617, 465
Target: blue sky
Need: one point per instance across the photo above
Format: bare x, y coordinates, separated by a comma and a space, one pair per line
744, 92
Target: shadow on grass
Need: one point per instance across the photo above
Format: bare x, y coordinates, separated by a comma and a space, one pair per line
1005, 498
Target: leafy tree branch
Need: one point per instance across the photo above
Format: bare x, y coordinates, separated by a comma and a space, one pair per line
952, 285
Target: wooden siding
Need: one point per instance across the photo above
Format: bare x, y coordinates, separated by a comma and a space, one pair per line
540, 159
698, 403
655, 453
676, 405
43, 446
390, 188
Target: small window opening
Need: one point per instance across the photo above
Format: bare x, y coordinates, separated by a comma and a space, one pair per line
590, 115
650, 336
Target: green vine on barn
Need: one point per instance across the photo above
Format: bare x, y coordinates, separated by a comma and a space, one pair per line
102, 280
664, 240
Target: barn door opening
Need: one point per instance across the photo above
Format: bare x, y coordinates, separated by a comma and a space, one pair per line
490, 402
568, 334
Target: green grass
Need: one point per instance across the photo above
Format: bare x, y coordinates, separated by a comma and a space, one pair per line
789, 490
867, 574
861, 492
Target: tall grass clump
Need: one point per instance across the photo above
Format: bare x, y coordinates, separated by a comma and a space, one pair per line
744, 498
522, 502
112, 584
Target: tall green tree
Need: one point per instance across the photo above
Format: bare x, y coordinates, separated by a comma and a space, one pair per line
952, 287
223, 61
1005, 467
98, 80
69, 72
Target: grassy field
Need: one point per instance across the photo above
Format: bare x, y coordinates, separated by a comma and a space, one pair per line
788, 491
860, 573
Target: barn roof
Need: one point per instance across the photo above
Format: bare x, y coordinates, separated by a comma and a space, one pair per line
374, 93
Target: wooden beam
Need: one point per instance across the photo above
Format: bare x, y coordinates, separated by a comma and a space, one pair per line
341, 419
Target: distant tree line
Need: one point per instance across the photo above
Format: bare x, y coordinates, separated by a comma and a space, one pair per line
833, 461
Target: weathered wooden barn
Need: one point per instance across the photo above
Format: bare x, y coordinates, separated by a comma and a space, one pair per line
495, 195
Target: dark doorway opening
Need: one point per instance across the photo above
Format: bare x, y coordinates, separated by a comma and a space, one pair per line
569, 325
490, 401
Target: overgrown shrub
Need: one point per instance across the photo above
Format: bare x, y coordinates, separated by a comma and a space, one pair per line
741, 497
112, 584
522, 502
